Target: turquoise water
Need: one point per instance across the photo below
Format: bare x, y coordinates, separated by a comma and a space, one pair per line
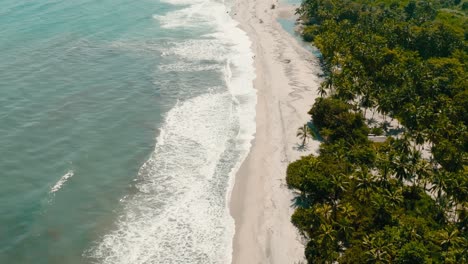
122, 124
292, 2
289, 25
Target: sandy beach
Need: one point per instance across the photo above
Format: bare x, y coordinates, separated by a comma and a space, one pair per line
286, 82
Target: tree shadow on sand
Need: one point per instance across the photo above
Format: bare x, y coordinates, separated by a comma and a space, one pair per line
300, 200
300, 147
304, 133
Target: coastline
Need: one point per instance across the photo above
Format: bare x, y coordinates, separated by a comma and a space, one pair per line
286, 82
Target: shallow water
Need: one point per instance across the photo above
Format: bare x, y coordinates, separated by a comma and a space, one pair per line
289, 25
122, 124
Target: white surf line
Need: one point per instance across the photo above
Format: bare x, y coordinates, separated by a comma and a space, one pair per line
62, 181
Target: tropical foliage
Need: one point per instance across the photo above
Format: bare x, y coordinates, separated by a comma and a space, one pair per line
392, 202
303, 133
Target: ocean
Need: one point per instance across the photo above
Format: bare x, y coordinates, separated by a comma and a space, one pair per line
122, 125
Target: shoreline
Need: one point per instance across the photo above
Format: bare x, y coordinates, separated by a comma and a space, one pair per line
286, 83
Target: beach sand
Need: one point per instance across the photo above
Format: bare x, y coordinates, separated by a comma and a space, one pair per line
287, 82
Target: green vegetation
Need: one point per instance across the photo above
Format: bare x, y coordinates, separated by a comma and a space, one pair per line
304, 132
366, 202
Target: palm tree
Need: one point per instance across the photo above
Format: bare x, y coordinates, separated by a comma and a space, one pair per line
382, 210
449, 238
345, 231
340, 185
347, 211
365, 183
377, 255
394, 198
304, 132
327, 234
400, 167
404, 159
325, 211
322, 91
422, 171
327, 239
378, 249
347, 217
383, 165
366, 102
458, 190
440, 183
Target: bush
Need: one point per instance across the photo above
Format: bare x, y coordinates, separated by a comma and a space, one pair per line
335, 120
296, 173
309, 33
412, 253
378, 131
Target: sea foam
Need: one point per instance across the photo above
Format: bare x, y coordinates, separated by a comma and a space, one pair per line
180, 212
61, 181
